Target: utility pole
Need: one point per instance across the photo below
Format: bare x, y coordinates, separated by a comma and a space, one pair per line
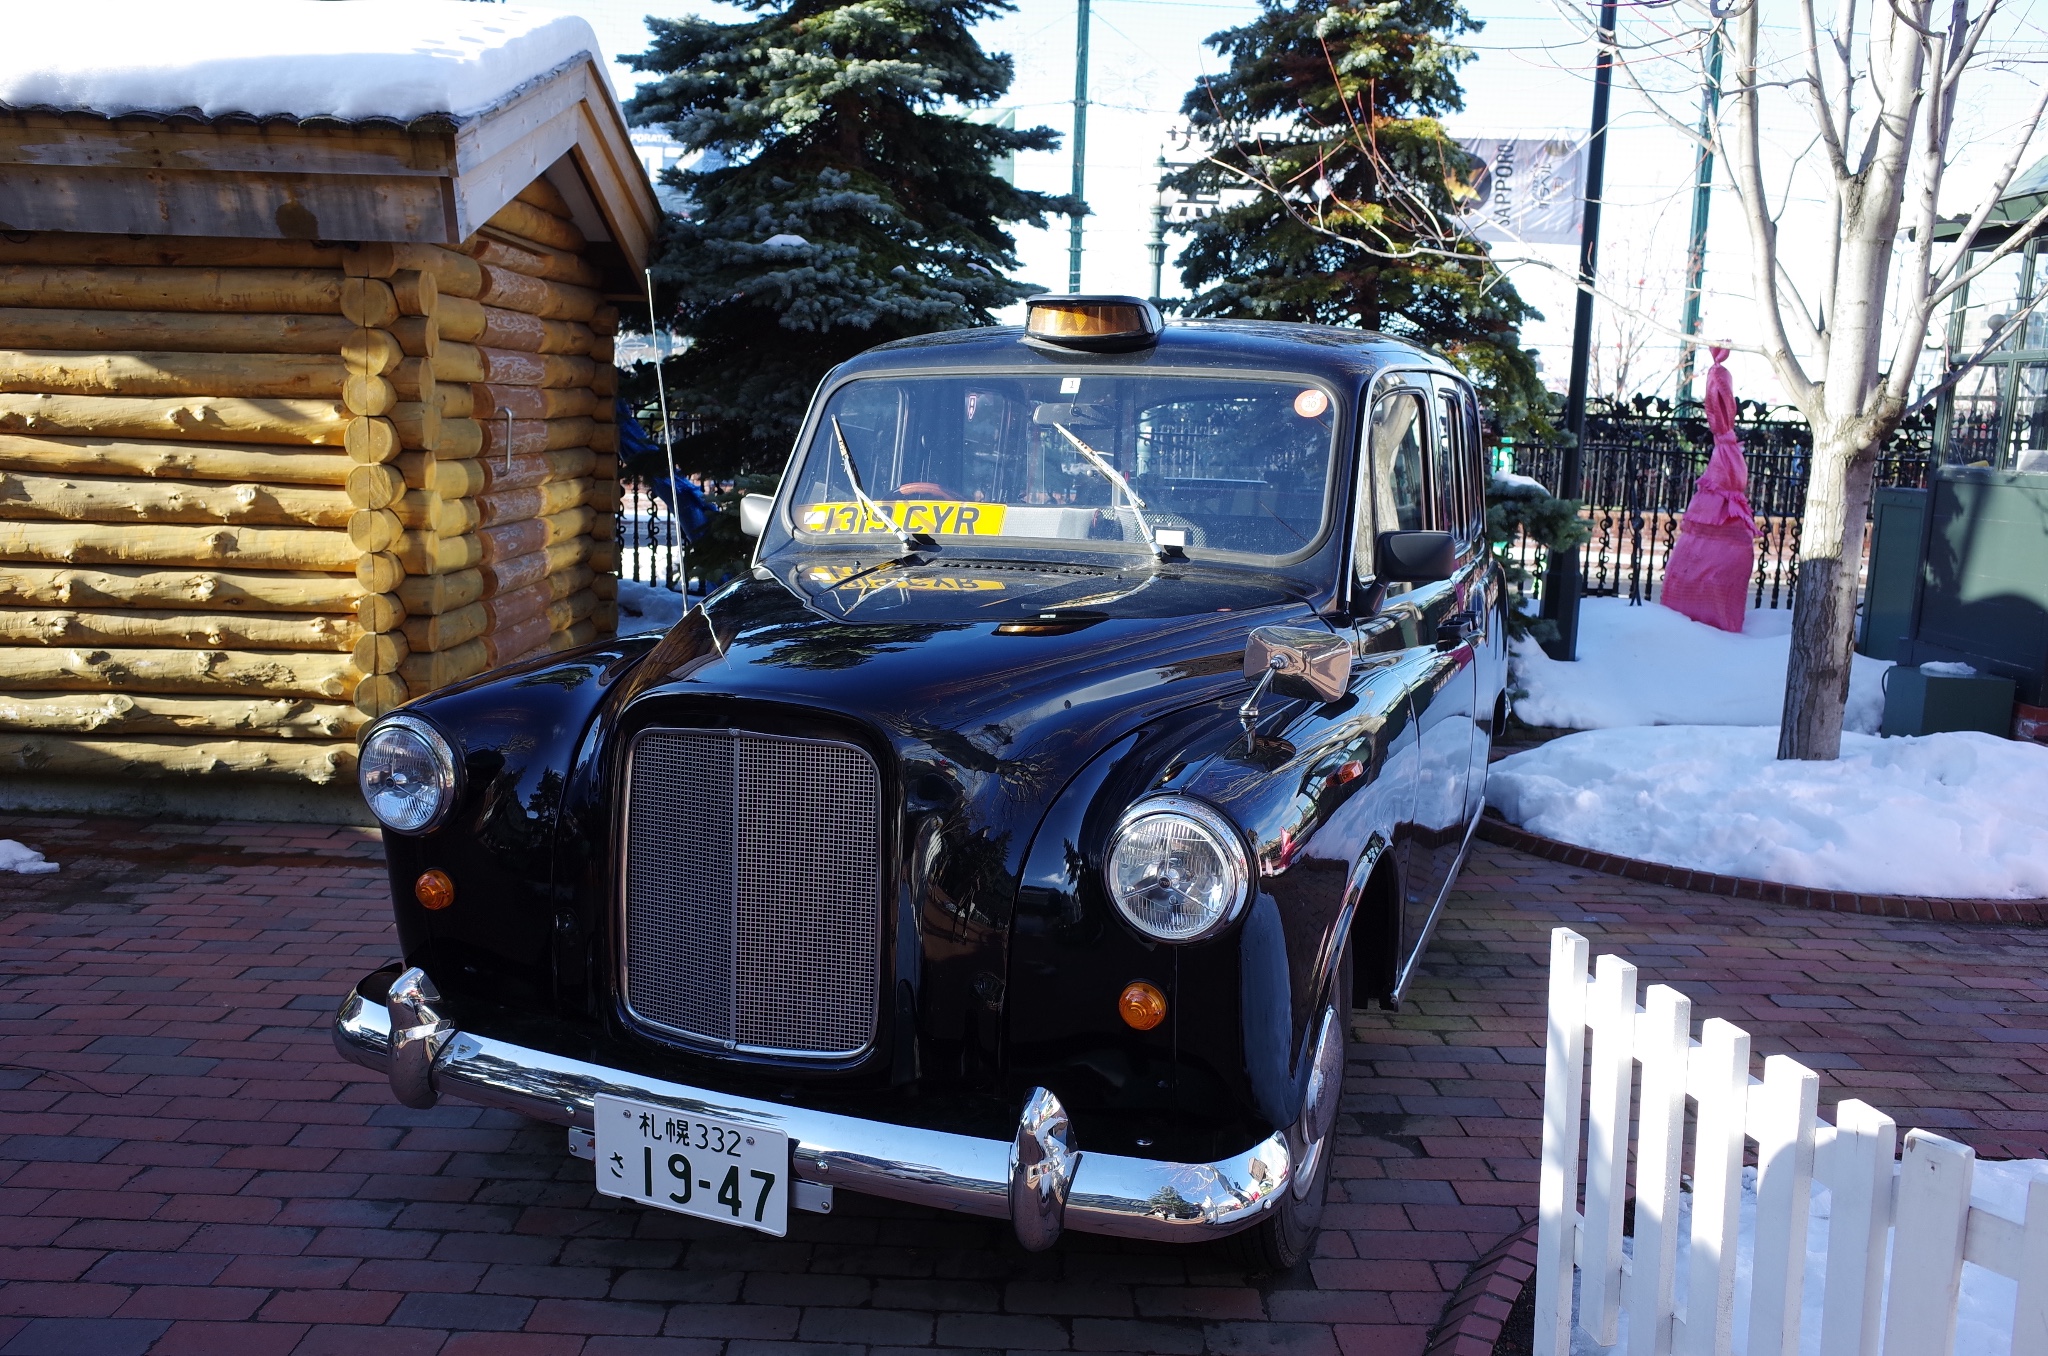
1080, 143
1156, 245
1702, 199
1562, 583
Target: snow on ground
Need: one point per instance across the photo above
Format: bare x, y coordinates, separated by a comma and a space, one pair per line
304, 58
1958, 816
648, 607
1649, 665
1984, 1311
23, 860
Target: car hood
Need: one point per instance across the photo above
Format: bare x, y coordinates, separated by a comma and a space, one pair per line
987, 664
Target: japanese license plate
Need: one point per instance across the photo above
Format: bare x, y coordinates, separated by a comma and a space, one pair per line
712, 1169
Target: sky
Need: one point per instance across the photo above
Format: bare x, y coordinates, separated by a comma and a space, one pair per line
1531, 77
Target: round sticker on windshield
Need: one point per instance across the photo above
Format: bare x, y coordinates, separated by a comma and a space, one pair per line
1311, 403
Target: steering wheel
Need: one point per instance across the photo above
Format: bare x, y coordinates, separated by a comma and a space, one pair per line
926, 489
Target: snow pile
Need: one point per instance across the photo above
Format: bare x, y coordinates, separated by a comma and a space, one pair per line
1649, 665
23, 860
648, 607
302, 58
1984, 1310
1959, 816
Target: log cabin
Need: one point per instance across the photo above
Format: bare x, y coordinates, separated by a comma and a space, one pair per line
305, 410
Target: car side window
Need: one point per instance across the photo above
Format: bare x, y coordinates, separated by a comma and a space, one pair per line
1446, 479
1400, 427
1475, 460
1451, 473
1391, 478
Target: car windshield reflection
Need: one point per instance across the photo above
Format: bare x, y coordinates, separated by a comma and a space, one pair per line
1230, 468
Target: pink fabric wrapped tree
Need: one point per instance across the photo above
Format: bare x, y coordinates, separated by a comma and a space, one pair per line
1707, 577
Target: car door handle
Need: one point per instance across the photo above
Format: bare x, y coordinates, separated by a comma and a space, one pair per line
1460, 628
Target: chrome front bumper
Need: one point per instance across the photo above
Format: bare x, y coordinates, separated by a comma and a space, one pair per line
1052, 1182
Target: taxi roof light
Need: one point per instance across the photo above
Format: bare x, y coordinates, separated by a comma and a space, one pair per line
1094, 323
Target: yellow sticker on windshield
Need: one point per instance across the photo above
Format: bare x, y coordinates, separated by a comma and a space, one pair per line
938, 517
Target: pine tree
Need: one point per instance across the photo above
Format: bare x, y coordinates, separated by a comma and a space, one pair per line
1332, 110
845, 200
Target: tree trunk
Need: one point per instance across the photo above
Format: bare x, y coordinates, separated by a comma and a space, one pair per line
171, 460
40, 586
302, 760
1824, 600
120, 713
516, 218
538, 260
459, 318
167, 628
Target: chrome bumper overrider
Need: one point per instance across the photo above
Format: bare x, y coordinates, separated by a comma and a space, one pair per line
1054, 1183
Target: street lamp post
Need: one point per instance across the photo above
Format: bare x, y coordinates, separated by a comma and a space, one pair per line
1156, 244
1080, 145
1702, 200
1561, 584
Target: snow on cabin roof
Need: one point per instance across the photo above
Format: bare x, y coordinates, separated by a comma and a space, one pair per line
349, 59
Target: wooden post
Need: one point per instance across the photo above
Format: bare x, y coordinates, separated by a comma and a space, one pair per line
1721, 1088
1664, 1049
1861, 1155
2030, 1308
1784, 1131
1612, 1013
1558, 1182
1927, 1246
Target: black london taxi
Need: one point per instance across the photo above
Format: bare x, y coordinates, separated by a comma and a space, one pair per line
1105, 713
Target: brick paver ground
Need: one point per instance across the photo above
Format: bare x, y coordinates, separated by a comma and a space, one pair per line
187, 1167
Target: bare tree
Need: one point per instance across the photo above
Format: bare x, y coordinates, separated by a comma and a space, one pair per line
1849, 373
1628, 335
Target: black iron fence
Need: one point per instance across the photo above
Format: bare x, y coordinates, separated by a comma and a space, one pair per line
651, 550
1641, 462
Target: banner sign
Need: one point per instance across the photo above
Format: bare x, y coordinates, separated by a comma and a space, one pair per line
1524, 192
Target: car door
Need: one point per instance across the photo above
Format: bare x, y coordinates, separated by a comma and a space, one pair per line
1410, 490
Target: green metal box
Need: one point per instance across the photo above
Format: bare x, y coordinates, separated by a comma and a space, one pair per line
1984, 582
1897, 518
1919, 703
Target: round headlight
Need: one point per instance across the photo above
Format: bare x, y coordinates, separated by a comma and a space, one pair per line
1177, 869
407, 773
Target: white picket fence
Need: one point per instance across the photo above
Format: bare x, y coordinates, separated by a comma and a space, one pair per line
1922, 1210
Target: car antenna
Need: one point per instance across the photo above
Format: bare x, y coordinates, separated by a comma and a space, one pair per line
675, 494
1116, 479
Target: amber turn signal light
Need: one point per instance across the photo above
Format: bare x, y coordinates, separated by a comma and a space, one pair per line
434, 890
1141, 1005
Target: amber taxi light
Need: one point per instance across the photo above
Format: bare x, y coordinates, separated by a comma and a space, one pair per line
1141, 1005
434, 890
1098, 323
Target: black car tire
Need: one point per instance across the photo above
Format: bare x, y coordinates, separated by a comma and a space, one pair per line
1288, 1234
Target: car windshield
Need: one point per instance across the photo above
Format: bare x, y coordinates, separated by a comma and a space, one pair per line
1219, 466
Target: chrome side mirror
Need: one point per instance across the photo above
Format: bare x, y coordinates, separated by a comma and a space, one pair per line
754, 511
1297, 662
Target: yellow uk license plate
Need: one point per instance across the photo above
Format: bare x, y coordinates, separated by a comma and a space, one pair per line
938, 517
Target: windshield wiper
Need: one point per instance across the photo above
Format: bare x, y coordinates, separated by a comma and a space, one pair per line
1117, 482
909, 540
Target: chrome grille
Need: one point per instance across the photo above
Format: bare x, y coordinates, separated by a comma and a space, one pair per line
753, 890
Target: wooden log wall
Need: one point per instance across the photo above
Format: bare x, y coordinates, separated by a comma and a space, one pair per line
253, 494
